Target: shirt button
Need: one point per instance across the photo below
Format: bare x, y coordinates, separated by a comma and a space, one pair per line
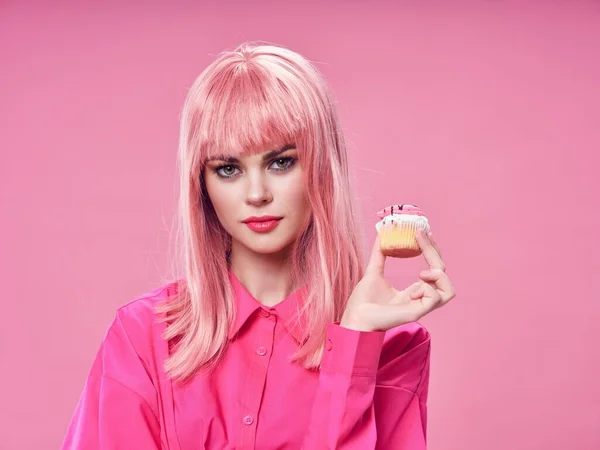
248, 420
261, 351
264, 313
329, 345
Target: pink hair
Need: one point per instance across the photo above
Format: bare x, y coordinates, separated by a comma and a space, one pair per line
255, 98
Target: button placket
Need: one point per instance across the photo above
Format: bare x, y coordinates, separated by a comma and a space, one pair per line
251, 405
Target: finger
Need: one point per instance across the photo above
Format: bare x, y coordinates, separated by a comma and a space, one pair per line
430, 254
377, 259
440, 281
429, 301
434, 243
415, 290
431, 298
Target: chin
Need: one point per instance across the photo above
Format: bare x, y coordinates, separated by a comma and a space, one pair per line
266, 245
266, 249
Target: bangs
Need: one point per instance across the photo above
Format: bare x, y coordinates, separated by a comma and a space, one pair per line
247, 111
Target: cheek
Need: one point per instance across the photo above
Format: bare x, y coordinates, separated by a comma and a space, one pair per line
297, 199
219, 198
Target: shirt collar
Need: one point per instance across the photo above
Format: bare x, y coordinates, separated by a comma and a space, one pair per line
288, 311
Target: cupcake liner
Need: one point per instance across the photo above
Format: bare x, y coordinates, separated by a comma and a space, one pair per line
399, 238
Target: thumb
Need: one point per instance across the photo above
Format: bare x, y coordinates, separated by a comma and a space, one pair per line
377, 259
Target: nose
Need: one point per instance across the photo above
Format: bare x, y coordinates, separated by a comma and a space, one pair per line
258, 192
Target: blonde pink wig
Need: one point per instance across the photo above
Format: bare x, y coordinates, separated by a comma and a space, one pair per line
255, 98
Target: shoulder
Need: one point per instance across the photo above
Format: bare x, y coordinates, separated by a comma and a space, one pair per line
405, 356
140, 312
132, 351
137, 325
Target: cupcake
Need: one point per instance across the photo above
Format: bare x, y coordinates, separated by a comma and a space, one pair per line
397, 230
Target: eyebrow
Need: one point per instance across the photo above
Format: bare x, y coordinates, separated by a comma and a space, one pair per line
266, 156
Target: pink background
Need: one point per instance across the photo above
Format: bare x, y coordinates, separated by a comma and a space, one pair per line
485, 113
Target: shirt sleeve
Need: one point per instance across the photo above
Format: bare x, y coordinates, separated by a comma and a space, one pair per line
371, 395
117, 408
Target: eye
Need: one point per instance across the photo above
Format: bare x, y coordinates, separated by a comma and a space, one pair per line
226, 171
284, 163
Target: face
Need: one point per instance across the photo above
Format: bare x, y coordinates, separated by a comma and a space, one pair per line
247, 190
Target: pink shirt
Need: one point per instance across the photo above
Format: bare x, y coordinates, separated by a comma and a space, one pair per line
370, 393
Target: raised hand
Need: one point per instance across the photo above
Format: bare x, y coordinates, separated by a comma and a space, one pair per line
375, 305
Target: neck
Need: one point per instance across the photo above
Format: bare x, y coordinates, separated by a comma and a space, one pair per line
266, 277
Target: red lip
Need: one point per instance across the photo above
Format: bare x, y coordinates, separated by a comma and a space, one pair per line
261, 219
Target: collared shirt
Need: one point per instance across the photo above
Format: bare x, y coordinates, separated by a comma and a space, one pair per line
370, 392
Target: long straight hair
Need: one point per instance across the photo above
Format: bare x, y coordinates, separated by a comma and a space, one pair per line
254, 98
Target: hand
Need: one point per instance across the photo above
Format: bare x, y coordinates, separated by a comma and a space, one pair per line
375, 305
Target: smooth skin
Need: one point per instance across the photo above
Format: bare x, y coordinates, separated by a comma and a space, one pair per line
375, 305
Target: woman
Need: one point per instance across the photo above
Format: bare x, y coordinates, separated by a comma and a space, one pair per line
276, 337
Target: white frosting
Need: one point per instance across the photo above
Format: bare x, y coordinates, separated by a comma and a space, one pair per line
389, 220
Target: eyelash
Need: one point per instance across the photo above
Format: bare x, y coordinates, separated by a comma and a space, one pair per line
287, 159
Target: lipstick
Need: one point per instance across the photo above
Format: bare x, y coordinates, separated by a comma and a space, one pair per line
262, 224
